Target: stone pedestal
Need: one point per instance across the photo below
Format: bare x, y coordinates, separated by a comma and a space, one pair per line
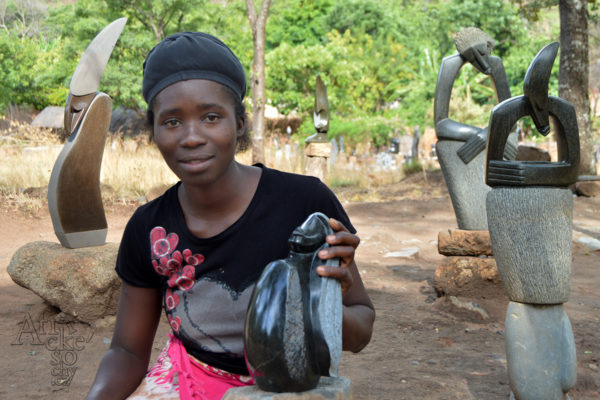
531, 230
540, 351
329, 388
468, 270
316, 156
457, 242
82, 283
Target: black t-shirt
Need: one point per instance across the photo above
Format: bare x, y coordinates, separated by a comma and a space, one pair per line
207, 283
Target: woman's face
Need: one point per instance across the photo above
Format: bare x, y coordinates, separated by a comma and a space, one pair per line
196, 130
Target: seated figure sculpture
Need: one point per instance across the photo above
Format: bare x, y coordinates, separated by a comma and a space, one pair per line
460, 146
530, 217
293, 326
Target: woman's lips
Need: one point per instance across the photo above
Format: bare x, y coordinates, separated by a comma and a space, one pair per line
193, 163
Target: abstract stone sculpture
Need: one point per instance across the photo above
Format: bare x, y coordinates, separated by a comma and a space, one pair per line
74, 197
460, 146
293, 327
530, 213
318, 148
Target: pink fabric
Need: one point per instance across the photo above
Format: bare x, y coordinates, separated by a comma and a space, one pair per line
199, 381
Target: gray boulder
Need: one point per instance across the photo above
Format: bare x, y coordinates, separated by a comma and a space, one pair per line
81, 282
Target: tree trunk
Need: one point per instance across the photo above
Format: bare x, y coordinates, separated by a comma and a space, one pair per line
573, 78
257, 78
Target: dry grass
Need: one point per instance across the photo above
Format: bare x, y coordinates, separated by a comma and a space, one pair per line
133, 169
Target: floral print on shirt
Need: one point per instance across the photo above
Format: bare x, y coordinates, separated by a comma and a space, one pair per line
178, 267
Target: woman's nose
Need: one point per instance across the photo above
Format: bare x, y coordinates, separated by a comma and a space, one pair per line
192, 135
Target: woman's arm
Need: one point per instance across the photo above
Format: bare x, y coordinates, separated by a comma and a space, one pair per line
124, 365
359, 313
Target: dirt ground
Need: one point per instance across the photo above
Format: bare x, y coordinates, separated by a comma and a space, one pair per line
421, 346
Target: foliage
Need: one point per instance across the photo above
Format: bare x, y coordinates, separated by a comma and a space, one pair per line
378, 59
298, 22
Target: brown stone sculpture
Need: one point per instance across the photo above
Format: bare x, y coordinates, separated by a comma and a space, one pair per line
74, 197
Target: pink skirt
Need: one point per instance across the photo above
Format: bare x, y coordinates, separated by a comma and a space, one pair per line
177, 375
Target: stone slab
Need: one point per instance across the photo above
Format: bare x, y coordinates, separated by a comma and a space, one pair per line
458, 242
80, 282
540, 351
316, 166
329, 388
531, 232
318, 150
466, 185
468, 277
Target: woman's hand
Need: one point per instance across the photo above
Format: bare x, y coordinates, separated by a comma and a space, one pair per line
358, 311
343, 245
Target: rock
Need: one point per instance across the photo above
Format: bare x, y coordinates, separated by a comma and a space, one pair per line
540, 351
458, 242
588, 188
329, 388
80, 282
409, 252
468, 277
590, 243
531, 232
469, 306
531, 153
51, 117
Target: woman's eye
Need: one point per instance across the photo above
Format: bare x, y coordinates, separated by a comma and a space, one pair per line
171, 123
212, 118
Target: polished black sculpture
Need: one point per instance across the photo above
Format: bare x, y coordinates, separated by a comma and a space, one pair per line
293, 325
536, 103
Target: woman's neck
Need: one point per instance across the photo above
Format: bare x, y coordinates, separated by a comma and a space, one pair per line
210, 209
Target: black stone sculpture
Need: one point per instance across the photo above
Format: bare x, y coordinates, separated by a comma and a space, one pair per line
74, 196
536, 103
473, 47
293, 324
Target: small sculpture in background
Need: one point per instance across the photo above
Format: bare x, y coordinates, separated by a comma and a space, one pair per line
460, 146
293, 332
320, 113
318, 147
74, 196
530, 218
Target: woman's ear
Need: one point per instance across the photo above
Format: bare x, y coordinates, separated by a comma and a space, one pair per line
241, 127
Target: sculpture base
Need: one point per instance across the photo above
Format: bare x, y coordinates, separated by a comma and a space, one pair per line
315, 161
76, 240
540, 352
531, 231
329, 388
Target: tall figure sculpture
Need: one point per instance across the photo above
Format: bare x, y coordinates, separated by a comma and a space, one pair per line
293, 330
460, 146
74, 197
530, 217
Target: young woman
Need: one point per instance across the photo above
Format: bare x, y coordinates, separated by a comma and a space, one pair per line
197, 251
